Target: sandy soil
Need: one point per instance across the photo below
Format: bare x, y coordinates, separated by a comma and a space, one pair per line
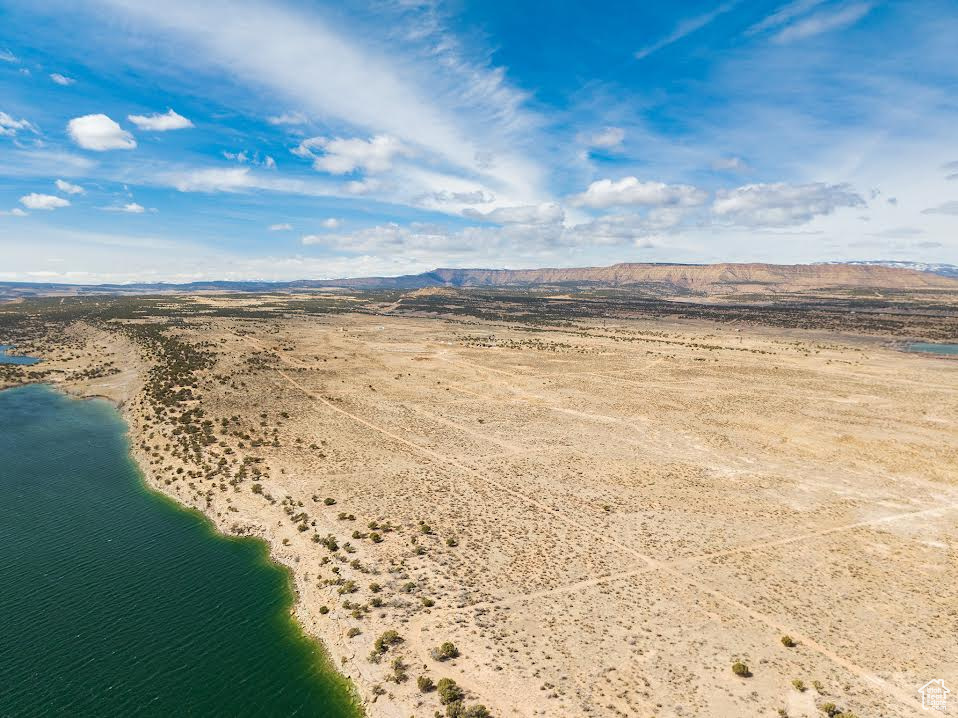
601, 519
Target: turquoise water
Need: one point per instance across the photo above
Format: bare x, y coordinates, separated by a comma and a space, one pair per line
5, 359
933, 348
116, 602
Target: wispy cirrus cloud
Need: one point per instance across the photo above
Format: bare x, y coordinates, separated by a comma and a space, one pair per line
457, 113
783, 15
824, 21
686, 28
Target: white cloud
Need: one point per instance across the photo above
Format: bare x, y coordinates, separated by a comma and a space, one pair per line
474, 197
244, 157
62, 79
361, 187
128, 208
430, 95
630, 191
43, 201
15, 212
330, 223
283, 227
730, 164
546, 213
69, 188
824, 21
7, 56
781, 205
783, 15
288, 118
99, 133
686, 27
607, 139
342, 156
215, 180
9, 126
161, 123
945, 208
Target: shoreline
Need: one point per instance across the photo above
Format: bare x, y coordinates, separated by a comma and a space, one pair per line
262, 537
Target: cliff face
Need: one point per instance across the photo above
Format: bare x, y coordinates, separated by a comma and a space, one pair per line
708, 278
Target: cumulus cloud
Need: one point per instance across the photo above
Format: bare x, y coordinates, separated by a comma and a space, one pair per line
824, 21
780, 204
170, 120
9, 126
43, 201
68, 187
631, 191
62, 79
281, 227
606, 139
546, 213
99, 133
342, 156
128, 208
946, 208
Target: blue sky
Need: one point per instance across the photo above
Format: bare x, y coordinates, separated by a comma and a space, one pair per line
179, 141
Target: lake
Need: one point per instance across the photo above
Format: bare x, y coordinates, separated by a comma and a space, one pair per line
7, 359
115, 601
929, 348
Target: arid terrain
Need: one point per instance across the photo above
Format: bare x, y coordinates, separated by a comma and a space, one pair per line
602, 504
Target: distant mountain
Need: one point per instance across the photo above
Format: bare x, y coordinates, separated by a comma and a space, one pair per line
661, 279
945, 270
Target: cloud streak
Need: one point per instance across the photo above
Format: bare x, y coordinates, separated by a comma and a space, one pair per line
686, 28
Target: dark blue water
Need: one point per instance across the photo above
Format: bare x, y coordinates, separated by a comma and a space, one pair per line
7, 359
114, 601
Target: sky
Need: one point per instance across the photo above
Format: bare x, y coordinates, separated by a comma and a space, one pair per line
180, 141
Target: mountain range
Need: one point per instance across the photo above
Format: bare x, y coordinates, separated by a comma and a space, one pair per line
659, 279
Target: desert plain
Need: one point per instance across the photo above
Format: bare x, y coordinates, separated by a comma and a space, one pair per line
602, 514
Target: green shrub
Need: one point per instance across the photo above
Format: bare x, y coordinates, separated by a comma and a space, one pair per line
799, 685
353, 632
449, 691
387, 639
741, 669
445, 652
425, 684
788, 642
329, 501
